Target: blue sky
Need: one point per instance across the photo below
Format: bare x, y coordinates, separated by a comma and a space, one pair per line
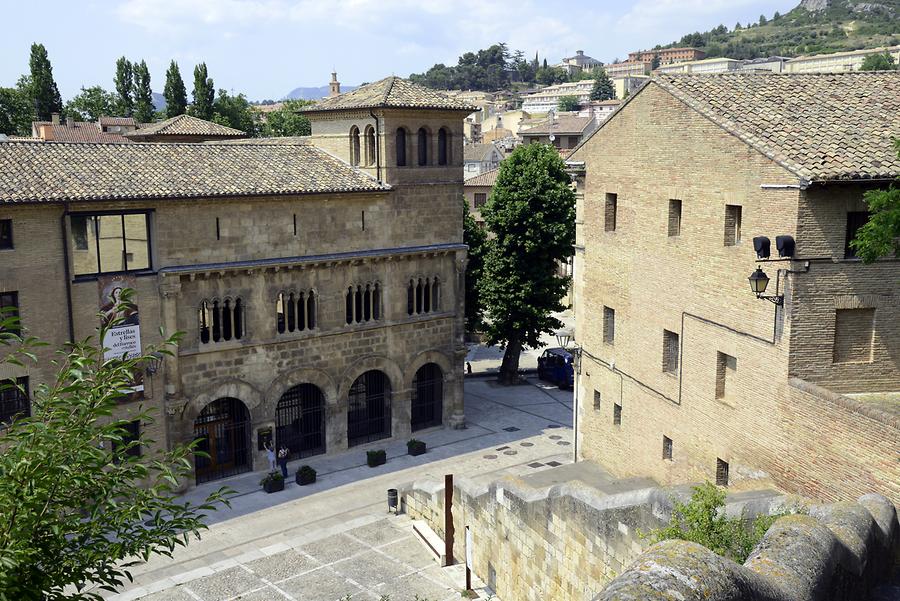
265, 48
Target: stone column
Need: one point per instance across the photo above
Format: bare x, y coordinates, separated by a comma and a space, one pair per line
170, 291
455, 378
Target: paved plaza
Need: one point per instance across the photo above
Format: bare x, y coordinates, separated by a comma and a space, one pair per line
335, 537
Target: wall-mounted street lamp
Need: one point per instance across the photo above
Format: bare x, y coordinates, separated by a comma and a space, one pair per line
151, 364
563, 338
759, 281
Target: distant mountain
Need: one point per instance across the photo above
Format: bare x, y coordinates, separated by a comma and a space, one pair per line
813, 27
314, 93
159, 101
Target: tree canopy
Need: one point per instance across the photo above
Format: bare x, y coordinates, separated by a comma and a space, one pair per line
880, 236
603, 87
476, 239
234, 111
531, 211
42, 91
568, 103
144, 111
204, 93
124, 81
174, 92
878, 62
15, 112
286, 121
91, 104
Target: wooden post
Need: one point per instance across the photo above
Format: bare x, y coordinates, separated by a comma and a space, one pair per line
448, 518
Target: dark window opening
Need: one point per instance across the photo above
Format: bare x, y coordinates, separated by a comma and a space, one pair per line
721, 472
480, 199
732, 225
6, 234
855, 220
221, 320
597, 399
609, 325
349, 305
670, 352
401, 147
422, 147
674, 217
14, 399
612, 201
667, 448
295, 224
354, 146
204, 321
617, 414
442, 147
218, 230
9, 310
130, 436
370, 145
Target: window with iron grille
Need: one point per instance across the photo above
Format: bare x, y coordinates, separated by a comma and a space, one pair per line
609, 325
674, 217
14, 399
596, 400
721, 472
610, 212
667, 448
670, 352
221, 320
617, 414
6, 234
9, 308
295, 311
732, 225
480, 199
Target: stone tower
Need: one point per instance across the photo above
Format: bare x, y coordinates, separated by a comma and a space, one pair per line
335, 85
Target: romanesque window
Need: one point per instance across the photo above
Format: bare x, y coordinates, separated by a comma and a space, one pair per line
354, 146
295, 311
370, 145
423, 295
612, 201
732, 225
401, 147
422, 146
363, 303
6, 234
9, 308
14, 399
221, 320
670, 352
674, 217
110, 242
443, 149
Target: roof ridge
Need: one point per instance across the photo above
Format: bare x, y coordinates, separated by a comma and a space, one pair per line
387, 90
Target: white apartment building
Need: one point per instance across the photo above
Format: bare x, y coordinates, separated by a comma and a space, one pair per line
838, 62
548, 98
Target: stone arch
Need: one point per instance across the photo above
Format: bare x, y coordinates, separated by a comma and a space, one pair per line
423, 147
231, 387
370, 149
293, 377
430, 356
401, 147
443, 146
388, 366
354, 146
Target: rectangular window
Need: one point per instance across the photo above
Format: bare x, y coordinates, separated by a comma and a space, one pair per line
596, 400
610, 214
667, 448
674, 217
726, 368
6, 239
573, 141
14, 399
110, 242
732, 225
854, 335
670, 352
609, 325
9, 307
617, 414
855, 220
721, 472
480, 199
131, 434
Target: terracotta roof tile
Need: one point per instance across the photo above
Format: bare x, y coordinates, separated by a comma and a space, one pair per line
82, 131
390, 92
122, 121
52, 172
564, 124
185, 125
488, 178
478, 152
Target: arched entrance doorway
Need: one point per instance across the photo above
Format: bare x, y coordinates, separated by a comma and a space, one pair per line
369, 411
223, 430
300, 421
427, 405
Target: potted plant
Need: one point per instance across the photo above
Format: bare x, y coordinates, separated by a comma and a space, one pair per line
376, 458
273, 482
306, 475
415, 447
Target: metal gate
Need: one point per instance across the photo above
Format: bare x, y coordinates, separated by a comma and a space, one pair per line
369, 412
300, 421
223, 431
427, 397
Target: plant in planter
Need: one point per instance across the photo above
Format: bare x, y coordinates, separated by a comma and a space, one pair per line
305, 475
415, 447
376, 458
273, 482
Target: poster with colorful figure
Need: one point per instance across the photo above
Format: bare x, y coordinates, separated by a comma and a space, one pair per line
122, 338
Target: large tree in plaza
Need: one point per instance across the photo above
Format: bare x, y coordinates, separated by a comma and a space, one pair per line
531, 212
78, 503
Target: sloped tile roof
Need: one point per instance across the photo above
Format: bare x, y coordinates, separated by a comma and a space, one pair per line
564, 124
822, 127
52, 172
122, 121
478, 152
185, 125
390, 92
81, 131
488, 178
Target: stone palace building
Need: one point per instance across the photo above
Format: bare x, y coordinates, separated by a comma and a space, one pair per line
317, 281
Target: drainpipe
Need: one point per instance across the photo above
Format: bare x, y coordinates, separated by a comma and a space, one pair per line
65, 244
377, 148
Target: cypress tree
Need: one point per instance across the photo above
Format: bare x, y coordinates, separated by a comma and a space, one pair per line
124, 81
603, 87
174, 92
204, 93
44, 95
143, 94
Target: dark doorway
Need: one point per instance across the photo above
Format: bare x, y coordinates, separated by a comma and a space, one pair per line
369, 411
427, 397
223, 430
300, 421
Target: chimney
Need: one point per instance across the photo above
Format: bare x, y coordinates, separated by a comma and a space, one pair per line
54, 118
70, 121
335, 85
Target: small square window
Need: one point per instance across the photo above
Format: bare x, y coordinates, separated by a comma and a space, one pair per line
732, 225
670, 352
609, 325
9, 308
6, 238
667, 448
726, 369
480, 199
610, 213
674, 217
721, 472
617, 414
596, 400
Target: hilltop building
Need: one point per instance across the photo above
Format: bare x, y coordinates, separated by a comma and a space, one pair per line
578, 63
667, 55
837, 62
687, 375
627, 69
313, 314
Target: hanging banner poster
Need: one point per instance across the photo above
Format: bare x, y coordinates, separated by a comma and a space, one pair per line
124, 338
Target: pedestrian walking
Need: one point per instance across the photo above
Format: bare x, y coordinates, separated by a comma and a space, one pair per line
282, 460
270, 455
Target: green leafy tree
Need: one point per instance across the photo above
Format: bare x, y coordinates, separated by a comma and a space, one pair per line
880, 236
568, 103
234, 111
878, 62
42, 91
204, 93
531, 211
124, 81
15, 112
654, 64
475, 237
78, 507
603, 87
174, 92
143, 94
702, 520
286, 121
762, 20
91, 104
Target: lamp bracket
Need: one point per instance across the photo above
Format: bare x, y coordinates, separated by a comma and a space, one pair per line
778, 299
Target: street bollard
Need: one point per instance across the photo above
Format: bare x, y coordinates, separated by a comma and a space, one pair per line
392, 500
